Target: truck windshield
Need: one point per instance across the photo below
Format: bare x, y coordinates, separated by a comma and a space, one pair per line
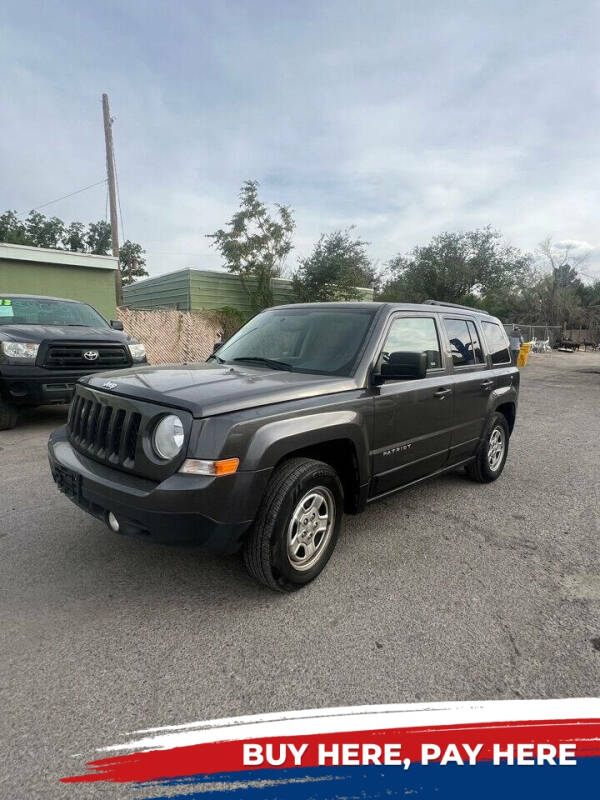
326, 341
43, 311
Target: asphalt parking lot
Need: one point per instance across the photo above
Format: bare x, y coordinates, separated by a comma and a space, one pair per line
451, 590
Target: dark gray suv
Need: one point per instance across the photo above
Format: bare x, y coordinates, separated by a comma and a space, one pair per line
307, 412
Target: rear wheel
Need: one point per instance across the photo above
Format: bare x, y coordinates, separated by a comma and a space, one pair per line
8, 416
297, 527
493, 450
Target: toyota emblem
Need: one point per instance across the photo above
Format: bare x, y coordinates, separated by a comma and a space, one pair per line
91, 355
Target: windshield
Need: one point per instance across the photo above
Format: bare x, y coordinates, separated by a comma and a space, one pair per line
42, 311
321, 340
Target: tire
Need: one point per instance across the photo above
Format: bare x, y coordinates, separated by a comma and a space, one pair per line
8, 416
485, 468
303, 502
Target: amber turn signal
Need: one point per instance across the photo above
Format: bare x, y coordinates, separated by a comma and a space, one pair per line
196, 466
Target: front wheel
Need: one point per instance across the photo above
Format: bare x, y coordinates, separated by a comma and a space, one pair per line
298, 525
493, 450
8, 416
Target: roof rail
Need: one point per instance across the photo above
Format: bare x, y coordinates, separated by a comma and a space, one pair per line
455, 305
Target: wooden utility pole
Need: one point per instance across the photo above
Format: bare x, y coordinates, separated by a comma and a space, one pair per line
112, 195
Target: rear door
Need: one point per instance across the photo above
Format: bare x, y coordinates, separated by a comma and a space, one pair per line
472, 385
413, 417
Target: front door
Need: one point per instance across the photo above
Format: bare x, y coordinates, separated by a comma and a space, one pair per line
413, 417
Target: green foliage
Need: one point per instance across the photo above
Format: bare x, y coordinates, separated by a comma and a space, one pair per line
12, 230
230, 319
255, 244
44, 231
455, 267
74, 237
477, 268
337, 265
99, 238
131, 262
559, 296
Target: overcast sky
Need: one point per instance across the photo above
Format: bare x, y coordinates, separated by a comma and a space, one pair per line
404, 119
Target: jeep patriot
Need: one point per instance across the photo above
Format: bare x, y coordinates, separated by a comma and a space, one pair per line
307, 412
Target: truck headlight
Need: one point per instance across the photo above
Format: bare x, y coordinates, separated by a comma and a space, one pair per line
168, 437
138, 352
24, 350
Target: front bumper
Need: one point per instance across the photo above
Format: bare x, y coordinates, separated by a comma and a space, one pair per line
212, 512
36, 386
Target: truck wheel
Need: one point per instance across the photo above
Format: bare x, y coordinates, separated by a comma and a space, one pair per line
493, 450
8, 416
298, 525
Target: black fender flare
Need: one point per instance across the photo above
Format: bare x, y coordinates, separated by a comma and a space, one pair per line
279, 439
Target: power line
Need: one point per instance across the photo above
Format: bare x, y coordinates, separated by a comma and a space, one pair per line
64, 197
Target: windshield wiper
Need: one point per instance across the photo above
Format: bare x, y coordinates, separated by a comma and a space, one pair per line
269, 362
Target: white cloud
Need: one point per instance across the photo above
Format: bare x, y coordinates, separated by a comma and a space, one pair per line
403, 120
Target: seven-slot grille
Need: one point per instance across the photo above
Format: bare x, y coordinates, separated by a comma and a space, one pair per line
65, 356
103, 431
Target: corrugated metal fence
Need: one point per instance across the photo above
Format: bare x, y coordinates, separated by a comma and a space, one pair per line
196, 289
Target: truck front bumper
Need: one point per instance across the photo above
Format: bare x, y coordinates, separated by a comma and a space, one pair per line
35, 386
215, 513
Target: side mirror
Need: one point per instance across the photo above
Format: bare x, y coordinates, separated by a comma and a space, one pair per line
217, 346
116, 324
403, 366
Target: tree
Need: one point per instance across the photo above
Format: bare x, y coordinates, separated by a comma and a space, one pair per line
457, 268
44, 231
131, 262
337, 265
12, 230
563, 289
255, 245
74, 237
99, 238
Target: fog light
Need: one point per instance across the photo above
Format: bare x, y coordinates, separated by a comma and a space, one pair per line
113, 522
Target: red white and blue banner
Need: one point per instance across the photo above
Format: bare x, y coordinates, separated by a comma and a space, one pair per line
492, 749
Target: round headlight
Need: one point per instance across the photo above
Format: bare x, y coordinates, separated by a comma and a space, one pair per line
168, 437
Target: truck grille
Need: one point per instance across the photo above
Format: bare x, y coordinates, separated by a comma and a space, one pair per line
104, 432
72, 356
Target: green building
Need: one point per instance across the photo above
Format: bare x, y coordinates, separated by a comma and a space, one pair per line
59, 273
197, 289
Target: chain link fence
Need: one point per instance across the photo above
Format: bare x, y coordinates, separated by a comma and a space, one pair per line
554, 333
538, 332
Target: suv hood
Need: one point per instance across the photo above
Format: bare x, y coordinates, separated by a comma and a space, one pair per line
209, 389
77, 333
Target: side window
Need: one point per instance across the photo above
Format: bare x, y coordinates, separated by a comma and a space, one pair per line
478, 352
414, 335
462, 348
497, 343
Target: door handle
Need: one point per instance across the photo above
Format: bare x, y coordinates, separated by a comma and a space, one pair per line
487, 384
441, 393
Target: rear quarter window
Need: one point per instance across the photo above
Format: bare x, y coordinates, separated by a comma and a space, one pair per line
497, 342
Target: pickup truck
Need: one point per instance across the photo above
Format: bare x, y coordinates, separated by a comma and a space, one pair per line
307, 412
47, 343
